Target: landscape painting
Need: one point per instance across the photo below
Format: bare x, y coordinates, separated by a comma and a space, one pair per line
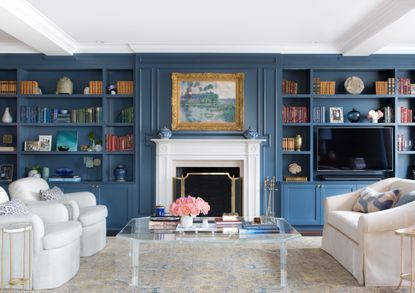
207, 101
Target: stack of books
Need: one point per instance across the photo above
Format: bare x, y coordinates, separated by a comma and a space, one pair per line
249, 227
69, 178
323, 87
28, 87
385, 87
288, 144
406, 115
115, 143
404, 86
7, 87
319, 114
228, 224
127, 115
289, 87
95, 87
125, 87
295, 114
163, 223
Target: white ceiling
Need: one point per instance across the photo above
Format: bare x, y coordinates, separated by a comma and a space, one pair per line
353, 27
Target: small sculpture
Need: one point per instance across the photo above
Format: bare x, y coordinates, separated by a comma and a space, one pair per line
294, 168
64, 86
7, 117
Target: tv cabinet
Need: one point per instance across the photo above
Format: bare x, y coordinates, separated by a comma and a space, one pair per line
302, 201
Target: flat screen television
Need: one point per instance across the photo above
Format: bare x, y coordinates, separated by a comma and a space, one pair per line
359, 149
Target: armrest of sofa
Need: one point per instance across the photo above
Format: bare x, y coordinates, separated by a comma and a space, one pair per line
388, 220
37, 227
49, 211
72, 207
82, 198
342, 202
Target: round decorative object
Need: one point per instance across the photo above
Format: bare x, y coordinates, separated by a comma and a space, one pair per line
64, 171
120, 172
33, 173
98, 148
294, 168
63, 148
250, 133
164, 133
97, 162
298, 142
63, 111
186, 221
7, 117
64, 86
354, 85
353, 115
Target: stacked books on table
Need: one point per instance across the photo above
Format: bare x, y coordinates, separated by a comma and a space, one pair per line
69, 178
163, 223
249, 227
228, 224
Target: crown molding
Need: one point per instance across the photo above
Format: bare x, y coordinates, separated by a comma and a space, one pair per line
16, 48
103, 48
27, 24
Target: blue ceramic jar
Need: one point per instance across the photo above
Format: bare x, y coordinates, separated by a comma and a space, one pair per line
164, 133
250, 133
120, 172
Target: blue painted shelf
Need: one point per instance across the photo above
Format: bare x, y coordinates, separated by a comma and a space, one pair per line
60, 124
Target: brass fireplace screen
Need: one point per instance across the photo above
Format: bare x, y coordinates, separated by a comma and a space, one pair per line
233, 180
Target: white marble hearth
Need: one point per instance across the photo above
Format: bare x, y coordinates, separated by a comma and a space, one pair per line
242, 153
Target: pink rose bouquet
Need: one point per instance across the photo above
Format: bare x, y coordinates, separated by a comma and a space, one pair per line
189, 206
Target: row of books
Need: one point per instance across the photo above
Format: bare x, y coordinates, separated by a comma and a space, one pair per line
403, 144
34, 114
29, 87
127, 115
295, 114
406, 115
405, 87
323, 87
319, 114
387, 114
71, 178
163, 223
288, 144
289, 87
8, 87
125, 87
95, 87
385, 87
114, 143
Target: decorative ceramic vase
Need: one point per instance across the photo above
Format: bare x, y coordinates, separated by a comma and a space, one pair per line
7, 117
45, 173
33, 173
186, 221
374, 120
250, 133
298, 142
353, 116
120, 172
164, 133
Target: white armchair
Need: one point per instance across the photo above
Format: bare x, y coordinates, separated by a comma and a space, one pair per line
365, 244
81, 206
56, 243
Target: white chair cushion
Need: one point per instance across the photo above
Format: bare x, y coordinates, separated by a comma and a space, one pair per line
92, 215
61, 234
28, 188
346, 222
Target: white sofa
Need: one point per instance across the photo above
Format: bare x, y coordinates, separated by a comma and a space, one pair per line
365, 244
82, 206
56, 243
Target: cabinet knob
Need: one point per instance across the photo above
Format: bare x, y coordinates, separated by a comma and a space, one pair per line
318, 185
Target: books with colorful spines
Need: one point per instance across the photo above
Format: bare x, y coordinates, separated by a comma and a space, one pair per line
162, 225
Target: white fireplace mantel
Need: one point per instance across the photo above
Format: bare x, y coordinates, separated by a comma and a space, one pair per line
243, 153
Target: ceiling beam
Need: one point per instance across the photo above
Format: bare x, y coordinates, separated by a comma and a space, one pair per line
27, 24
361, 39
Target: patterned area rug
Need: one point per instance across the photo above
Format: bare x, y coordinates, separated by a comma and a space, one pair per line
171, 268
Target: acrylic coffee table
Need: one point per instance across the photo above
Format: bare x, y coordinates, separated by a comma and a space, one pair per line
137, 232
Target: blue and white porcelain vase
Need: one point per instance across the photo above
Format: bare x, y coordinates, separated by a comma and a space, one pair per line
120, 172
250, 133
164, 133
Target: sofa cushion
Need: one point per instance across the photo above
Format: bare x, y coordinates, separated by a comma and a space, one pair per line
346, 222
54, 193
13, 207
406, 198
61, 234
372, 201
92, 215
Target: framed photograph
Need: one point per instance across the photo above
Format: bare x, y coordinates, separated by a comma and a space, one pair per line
6, 172
67, 141
207, 101
45, 143
336, 114
31, 145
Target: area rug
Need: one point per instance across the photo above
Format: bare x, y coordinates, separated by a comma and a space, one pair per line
171, 268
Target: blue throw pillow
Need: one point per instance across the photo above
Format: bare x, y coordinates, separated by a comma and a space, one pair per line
372, 201
406, 198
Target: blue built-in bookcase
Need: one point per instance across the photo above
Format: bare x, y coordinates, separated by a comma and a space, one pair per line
299, 202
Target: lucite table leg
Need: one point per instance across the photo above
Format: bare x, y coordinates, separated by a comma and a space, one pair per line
135, 262
283, 264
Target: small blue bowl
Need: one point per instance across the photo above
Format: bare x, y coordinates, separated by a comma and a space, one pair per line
64, 171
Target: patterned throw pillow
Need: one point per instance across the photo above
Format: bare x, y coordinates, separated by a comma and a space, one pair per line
51, 194
371, 201
406, 198
13, 207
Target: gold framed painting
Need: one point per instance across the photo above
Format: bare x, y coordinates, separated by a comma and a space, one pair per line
207, 101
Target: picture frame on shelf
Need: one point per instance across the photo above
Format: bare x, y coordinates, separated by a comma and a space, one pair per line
31, 145
67, 141
336, 115
45, 143
6, 172
7, 138
207, 101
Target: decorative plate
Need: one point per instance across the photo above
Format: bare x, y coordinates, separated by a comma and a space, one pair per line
354, 85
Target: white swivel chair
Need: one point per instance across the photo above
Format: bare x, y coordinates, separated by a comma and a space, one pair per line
81, 206
56, 243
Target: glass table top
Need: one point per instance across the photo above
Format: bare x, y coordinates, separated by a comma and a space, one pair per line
138, 229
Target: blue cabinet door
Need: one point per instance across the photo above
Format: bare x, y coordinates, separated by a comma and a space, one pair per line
301, 204
327, 190
117, 198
